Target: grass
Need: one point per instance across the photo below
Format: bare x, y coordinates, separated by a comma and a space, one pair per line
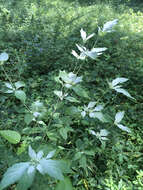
39, 37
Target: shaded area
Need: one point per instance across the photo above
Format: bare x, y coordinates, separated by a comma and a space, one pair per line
40, 40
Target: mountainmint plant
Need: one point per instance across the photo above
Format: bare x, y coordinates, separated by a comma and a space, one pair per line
63, 120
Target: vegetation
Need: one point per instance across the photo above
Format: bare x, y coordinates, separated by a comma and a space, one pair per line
71, 78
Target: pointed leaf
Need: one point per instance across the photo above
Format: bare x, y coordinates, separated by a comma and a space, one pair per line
97, 115
8, 85
28, 118
32, 153
80, 91
119, 116
83, 34
26, 181
13, 174
63, 133
72, 99
20, 94
124, 128
12, 136
50, 154
52, 167
19, 84
91, 104
64, 185
123, 91
109, 25
119, 80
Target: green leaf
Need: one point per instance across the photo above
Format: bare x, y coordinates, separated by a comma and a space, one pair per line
8, 85
72, 99
52, 168
26, 181
20, 94
13, 174
28, 118
80, 91
64, 184
19, 84
12, 136
63, 133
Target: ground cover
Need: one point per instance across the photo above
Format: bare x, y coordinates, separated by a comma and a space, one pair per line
39, 37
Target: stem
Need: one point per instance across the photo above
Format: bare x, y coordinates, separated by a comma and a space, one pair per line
8, 77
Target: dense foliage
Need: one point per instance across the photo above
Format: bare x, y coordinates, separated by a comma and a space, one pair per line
71, 79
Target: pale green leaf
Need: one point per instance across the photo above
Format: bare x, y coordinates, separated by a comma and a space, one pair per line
12, 136
19, 84
20, 94
26, 181
64, 185
28, 118
52, 168
13, 174
80, 91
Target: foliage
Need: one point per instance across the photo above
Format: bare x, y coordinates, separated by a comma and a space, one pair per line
62, 64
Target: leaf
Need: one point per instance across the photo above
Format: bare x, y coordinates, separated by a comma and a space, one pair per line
28, 118
91, 104
124, 128
119, 80
72, 99
52, 167
4, 56
63, 133
19, 84
50, 154
20, 94
26, 181
83, 34
109, 25
8, 85
32, 153
92, 54
64, 185
123, 91
12, 136
80, 91
97, 115
13, 174
119, 116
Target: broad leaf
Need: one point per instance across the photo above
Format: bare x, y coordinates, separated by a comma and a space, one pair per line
109, 25
119, 116
8, 85
19, 84
12, 136
80, 91
13, 174
52, 168
26, 181
20, 94
63, 133
64, 185
91, 104
97, 115
28, 118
